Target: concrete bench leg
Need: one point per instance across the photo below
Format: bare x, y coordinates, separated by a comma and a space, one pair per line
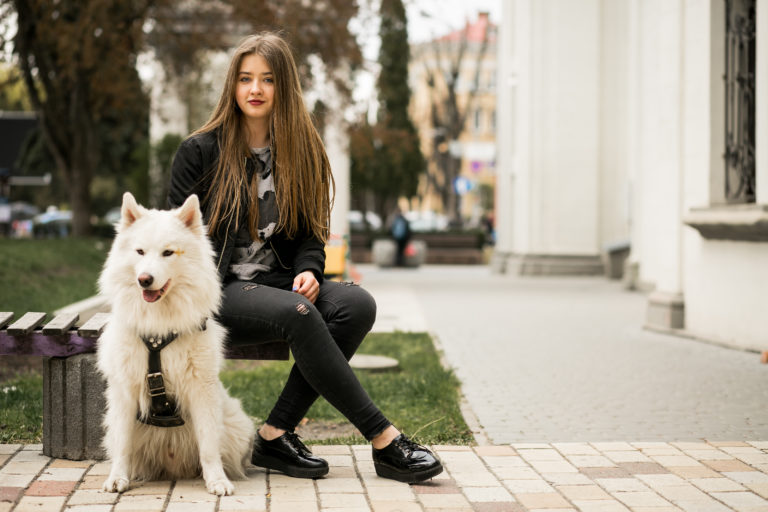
383, 252
73, 407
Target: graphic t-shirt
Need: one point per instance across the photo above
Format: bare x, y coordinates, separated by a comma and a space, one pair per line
253, 256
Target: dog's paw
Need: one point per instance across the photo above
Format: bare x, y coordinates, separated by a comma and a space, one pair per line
116, 484
221, 487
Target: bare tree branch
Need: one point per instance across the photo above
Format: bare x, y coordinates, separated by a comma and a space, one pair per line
447, 114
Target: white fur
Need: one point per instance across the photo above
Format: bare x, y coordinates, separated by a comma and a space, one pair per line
217, 436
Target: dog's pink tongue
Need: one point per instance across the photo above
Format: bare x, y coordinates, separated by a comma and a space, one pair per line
151, 295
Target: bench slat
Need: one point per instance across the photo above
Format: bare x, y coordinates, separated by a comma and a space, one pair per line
26, 324
5, 317
61, 323
93, 327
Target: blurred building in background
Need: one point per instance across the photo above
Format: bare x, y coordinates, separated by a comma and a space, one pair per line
640, 124
471, 53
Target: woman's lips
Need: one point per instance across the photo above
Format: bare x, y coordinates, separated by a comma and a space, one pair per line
255, 102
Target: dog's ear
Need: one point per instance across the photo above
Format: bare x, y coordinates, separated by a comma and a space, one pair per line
130, 212
190, 215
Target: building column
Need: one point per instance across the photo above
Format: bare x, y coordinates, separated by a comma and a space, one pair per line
549, 155
507, 85
665, 89
336, 139
761, 104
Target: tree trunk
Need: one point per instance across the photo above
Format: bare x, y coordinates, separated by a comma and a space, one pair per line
85, 158
80, 199
455, 197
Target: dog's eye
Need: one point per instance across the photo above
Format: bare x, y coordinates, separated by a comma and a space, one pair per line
167, 253
140, 251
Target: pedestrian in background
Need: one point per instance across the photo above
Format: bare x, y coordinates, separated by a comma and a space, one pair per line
400, 229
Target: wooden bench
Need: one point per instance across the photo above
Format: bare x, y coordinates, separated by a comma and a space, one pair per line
441, 247
60, 338
73, 402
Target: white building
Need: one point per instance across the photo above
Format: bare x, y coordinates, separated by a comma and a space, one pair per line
613, 117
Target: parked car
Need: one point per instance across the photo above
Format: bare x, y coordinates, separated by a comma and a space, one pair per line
112, 216
427, 221
356, 222
23, 211
53, 223
21, 223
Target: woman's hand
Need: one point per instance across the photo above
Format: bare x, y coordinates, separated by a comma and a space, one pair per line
306, 284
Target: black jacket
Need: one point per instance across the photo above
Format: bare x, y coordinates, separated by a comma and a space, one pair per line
192, 173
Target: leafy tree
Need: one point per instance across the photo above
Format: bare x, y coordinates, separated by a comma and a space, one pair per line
13, 95
318, 28
386, 159
78, 62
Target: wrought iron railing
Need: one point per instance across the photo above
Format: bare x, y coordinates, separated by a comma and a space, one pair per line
740, 59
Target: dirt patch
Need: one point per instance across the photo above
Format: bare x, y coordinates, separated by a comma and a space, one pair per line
14, 366
316, 430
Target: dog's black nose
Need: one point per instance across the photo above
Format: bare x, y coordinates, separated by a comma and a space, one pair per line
146, 280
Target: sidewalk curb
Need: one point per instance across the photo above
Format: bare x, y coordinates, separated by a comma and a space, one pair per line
86, 308
470, 418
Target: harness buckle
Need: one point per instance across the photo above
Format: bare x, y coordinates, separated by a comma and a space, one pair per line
156, 384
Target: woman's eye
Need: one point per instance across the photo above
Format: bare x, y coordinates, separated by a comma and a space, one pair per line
268, 80
167, 253
140, 251
244, 79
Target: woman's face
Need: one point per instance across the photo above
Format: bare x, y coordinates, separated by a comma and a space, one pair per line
255, 90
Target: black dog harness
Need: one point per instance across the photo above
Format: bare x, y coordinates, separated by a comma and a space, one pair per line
162, 410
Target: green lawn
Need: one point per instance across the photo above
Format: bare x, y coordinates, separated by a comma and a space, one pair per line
44, 275
21, 409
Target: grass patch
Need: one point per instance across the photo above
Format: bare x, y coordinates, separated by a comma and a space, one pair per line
421, 399
45, 275
21, 409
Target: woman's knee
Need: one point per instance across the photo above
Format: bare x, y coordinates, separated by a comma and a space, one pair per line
362, 306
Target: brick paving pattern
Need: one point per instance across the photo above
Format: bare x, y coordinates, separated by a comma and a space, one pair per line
588, 477
546, 359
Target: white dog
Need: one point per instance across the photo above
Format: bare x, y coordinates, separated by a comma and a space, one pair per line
163, 288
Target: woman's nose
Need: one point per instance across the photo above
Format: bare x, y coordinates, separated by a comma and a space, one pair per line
256, 86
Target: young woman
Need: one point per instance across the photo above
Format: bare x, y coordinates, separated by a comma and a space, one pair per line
261, 171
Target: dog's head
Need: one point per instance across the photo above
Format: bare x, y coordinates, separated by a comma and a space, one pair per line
159, 255
159, 240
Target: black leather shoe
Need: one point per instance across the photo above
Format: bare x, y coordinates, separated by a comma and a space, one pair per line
405, 461
287, 454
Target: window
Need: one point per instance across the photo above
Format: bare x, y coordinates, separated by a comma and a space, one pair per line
477, 124
740, 59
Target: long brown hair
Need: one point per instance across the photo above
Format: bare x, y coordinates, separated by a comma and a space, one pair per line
302, 172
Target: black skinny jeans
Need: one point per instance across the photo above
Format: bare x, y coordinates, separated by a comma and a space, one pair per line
322, 337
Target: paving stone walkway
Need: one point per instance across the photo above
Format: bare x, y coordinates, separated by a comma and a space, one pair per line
590, 477
547, 359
